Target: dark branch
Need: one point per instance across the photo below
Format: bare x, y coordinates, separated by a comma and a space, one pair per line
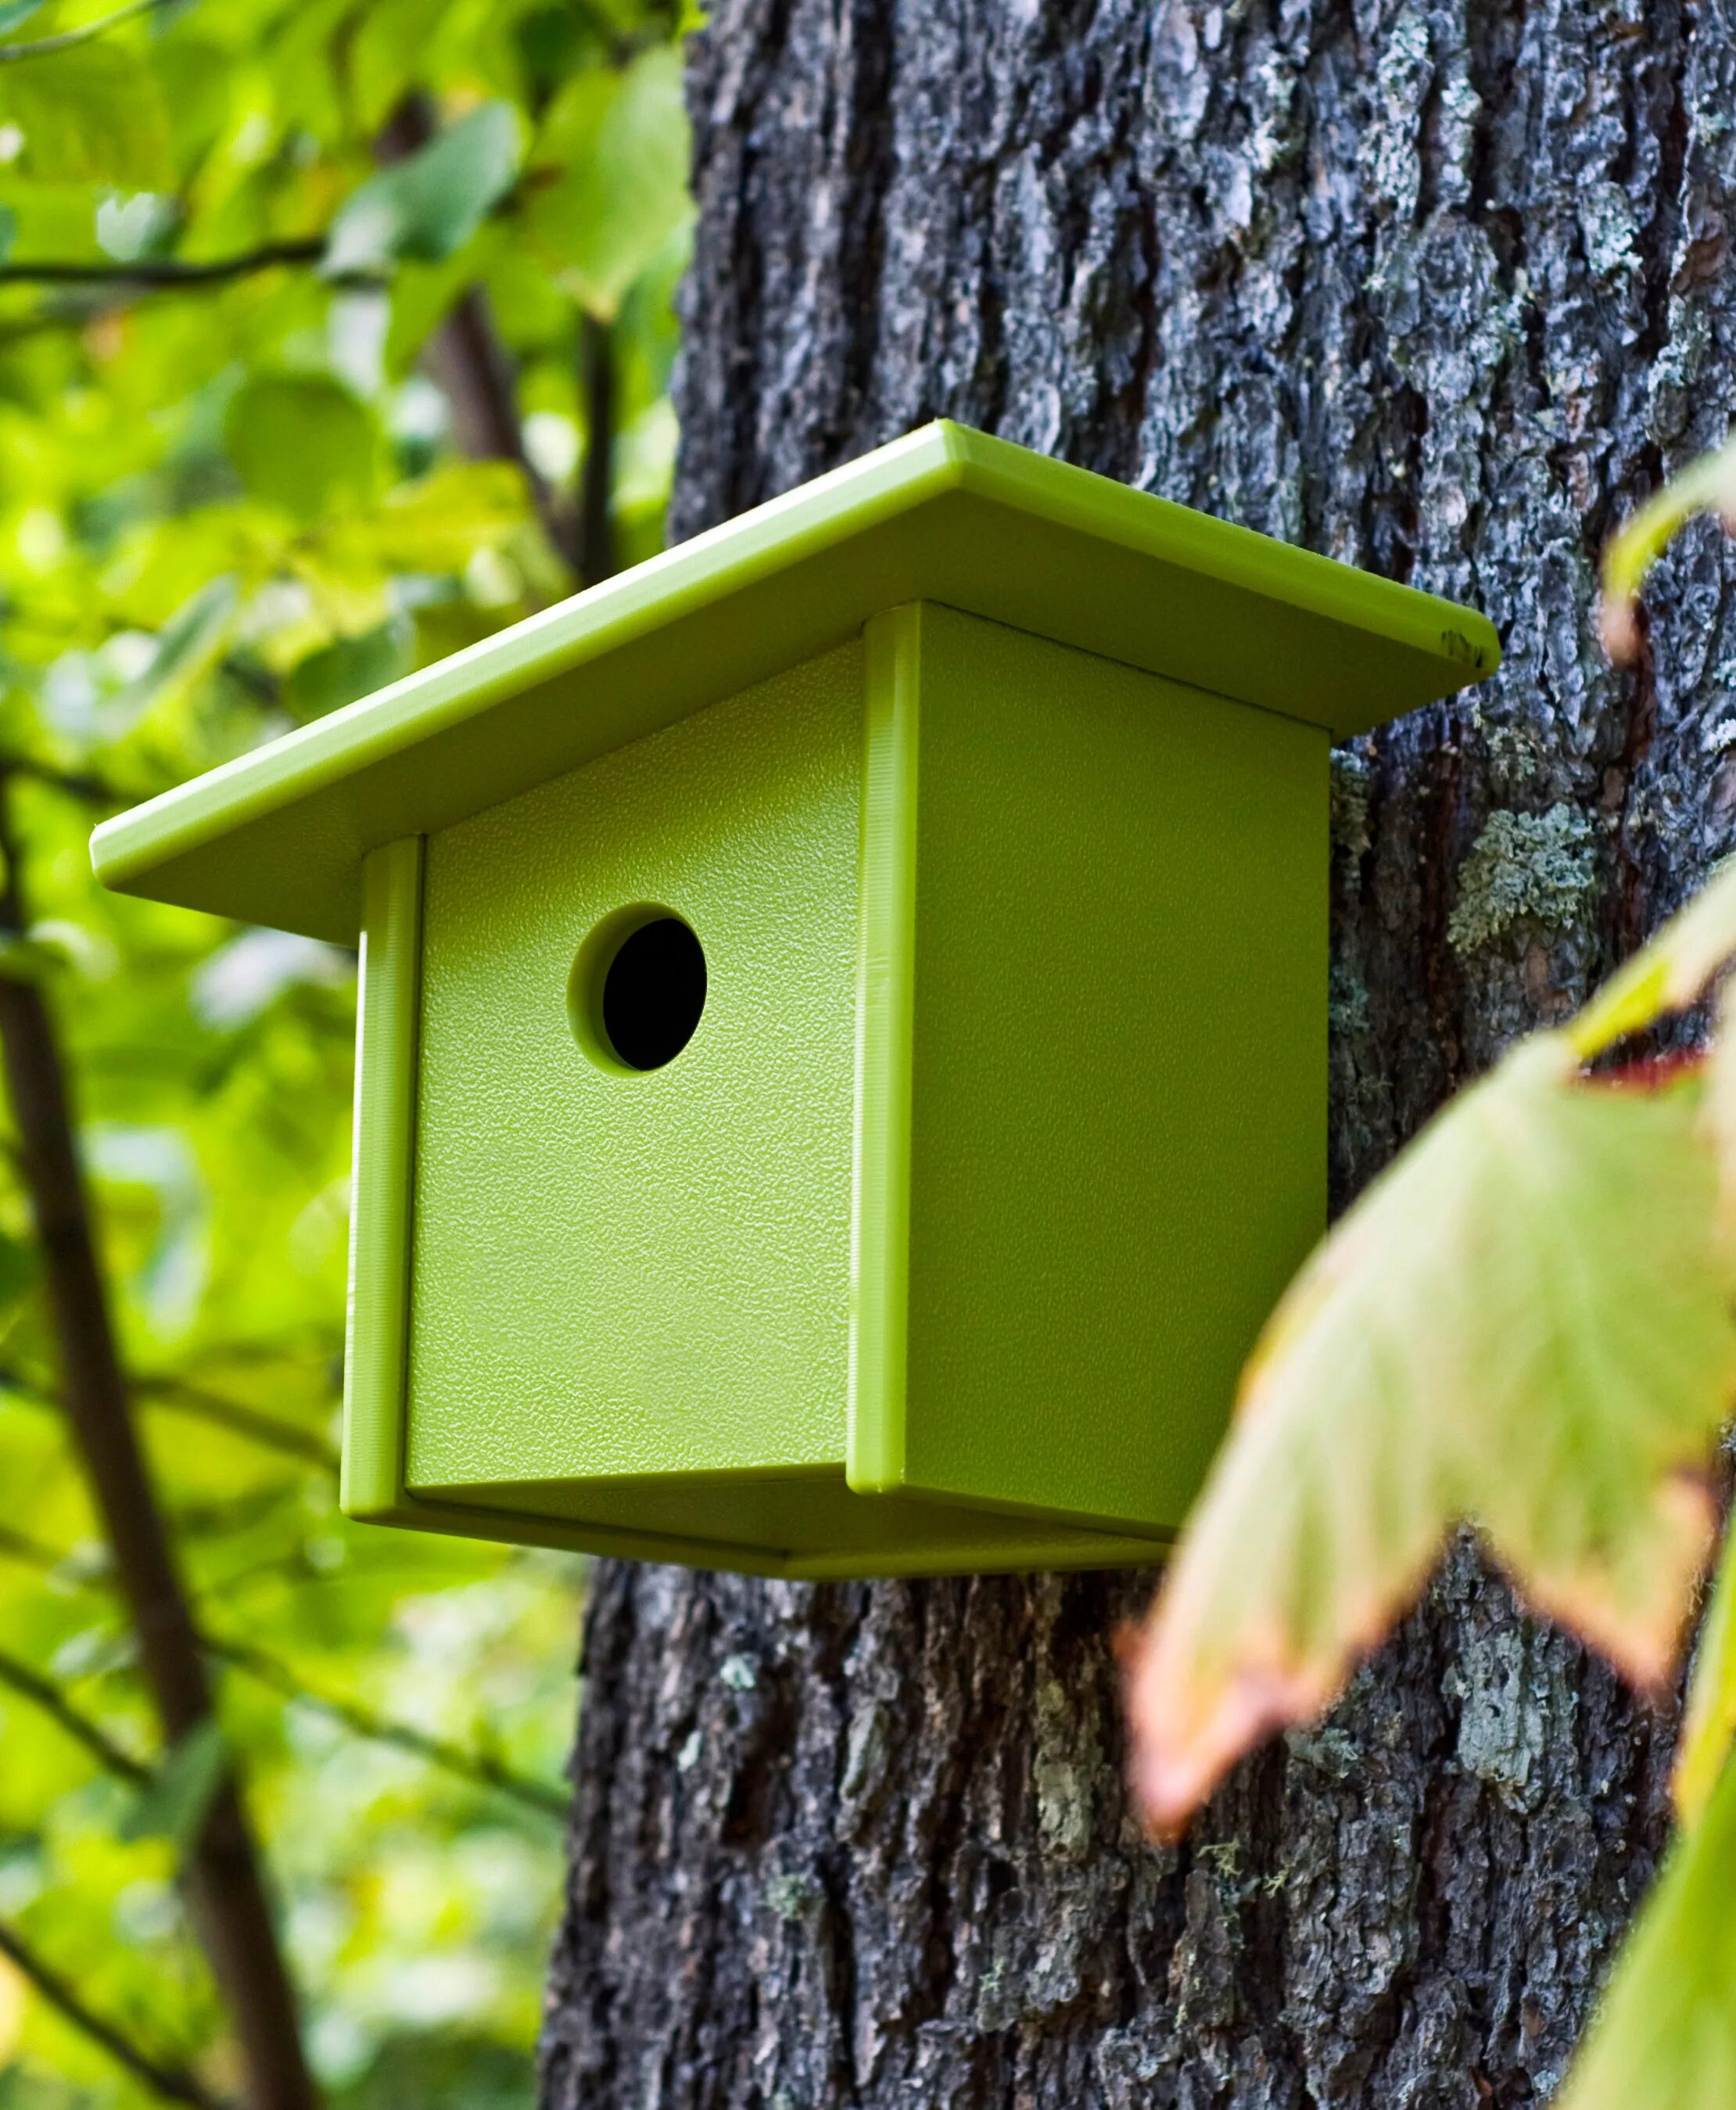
43, 1693
172, 2083
482, 1768
167, 270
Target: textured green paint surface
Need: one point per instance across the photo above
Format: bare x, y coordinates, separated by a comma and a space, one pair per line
944, 514
1118, 1126
626, 1275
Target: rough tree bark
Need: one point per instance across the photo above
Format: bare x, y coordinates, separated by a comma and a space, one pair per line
1438, 290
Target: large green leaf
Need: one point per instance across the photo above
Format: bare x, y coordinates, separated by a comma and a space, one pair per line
1526, 1323
93, 114
1707, 485
174, 1804
304, 442
621, 143
1667, 975
428, 205
1709, 1721
1665, 2035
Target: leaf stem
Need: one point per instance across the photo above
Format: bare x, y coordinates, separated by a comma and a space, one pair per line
42, 48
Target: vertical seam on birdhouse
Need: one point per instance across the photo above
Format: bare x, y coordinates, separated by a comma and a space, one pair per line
879, 1256
376, 1364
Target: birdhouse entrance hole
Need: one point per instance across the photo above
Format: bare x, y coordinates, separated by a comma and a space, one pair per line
637, 989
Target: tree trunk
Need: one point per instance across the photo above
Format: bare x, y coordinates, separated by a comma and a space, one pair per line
1439, 291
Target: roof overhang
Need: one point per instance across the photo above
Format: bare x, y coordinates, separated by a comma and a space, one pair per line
947, 514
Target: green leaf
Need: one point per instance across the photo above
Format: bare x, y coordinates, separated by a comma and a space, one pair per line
428, 205
304, 442
1526, 1323
436, 524
1709, 1720
16, 13
93, 114
17, 1268
348, 667
187, 645
8, 231
622, 142
1666, 2032
1705, 486
175, 1804
1670, 973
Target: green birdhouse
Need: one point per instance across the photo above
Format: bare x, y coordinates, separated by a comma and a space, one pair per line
842, 1067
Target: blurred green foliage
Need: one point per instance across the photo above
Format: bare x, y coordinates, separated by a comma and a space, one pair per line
233, 495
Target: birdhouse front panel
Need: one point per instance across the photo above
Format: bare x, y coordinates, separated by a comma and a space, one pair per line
841, 1063
619, 1271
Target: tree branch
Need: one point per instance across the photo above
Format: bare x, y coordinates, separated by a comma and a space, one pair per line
42, 48
43, 1693
165, 270
482, 1768
173, 2084
226, 1884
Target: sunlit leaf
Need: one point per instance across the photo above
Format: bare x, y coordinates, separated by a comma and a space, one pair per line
1668, 974
303, 441
621, 143
90, 114
428, 205
1524, 1323
175, 1804
1666, 2034
185, 645
1709, 1720
1705, 486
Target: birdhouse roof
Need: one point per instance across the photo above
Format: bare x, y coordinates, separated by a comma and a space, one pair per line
945, 514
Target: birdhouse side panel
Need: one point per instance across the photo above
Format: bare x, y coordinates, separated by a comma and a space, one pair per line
1118, 1092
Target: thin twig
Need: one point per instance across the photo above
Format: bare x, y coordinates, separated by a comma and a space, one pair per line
480, 1767
42, 48
164, 270
81, 784
42, 1692
35, 1553
177, 1396
173, 2084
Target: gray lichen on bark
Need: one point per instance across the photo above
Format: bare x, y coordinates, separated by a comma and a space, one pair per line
1437, 290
